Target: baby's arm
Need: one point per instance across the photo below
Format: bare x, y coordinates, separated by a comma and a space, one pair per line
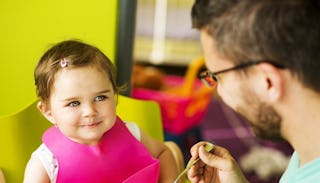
168, 167
2, 179
35, 172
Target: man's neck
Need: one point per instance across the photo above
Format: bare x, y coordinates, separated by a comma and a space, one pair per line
301, 124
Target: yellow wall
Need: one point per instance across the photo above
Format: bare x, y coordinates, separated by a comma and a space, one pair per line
28, 28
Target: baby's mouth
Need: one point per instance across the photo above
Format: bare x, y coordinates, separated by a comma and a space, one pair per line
92, 125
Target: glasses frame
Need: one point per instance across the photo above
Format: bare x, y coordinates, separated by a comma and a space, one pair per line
211, 78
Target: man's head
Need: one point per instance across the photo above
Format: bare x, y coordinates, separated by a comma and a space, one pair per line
286, 32
277, 33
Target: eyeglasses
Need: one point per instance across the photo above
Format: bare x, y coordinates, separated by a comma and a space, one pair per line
211, 78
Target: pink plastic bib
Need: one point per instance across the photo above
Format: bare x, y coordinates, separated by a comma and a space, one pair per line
119, 157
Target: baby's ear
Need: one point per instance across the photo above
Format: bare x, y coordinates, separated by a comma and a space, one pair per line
46, 111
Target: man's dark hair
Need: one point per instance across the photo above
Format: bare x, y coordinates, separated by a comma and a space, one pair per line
286, 32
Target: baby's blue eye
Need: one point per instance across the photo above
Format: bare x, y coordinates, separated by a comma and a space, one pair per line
74, 104
100, 98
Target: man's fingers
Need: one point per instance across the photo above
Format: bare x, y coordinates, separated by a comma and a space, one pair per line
194, 174
219, 158
194, 149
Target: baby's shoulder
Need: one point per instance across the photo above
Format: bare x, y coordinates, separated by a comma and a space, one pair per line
134, 129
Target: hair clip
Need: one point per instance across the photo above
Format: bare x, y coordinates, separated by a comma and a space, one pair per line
64, 63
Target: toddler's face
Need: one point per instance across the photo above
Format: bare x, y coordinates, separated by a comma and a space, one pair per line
82, 104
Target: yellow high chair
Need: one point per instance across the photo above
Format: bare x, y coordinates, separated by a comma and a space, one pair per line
20, 133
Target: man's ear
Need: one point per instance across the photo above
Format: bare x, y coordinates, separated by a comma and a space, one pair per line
274, 81
45, 110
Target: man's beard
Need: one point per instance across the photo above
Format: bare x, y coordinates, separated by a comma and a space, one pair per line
264, 119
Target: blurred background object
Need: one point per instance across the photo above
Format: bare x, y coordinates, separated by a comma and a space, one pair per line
147, 77
164, 34
183, 99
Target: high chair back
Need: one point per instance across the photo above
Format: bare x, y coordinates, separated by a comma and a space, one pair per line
146, 114
20, 135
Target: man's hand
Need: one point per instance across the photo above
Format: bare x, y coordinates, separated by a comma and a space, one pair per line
216, 166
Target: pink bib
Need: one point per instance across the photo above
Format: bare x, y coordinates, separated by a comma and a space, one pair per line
119, 157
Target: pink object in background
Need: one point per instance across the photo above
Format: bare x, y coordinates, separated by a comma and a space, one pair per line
183, 101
